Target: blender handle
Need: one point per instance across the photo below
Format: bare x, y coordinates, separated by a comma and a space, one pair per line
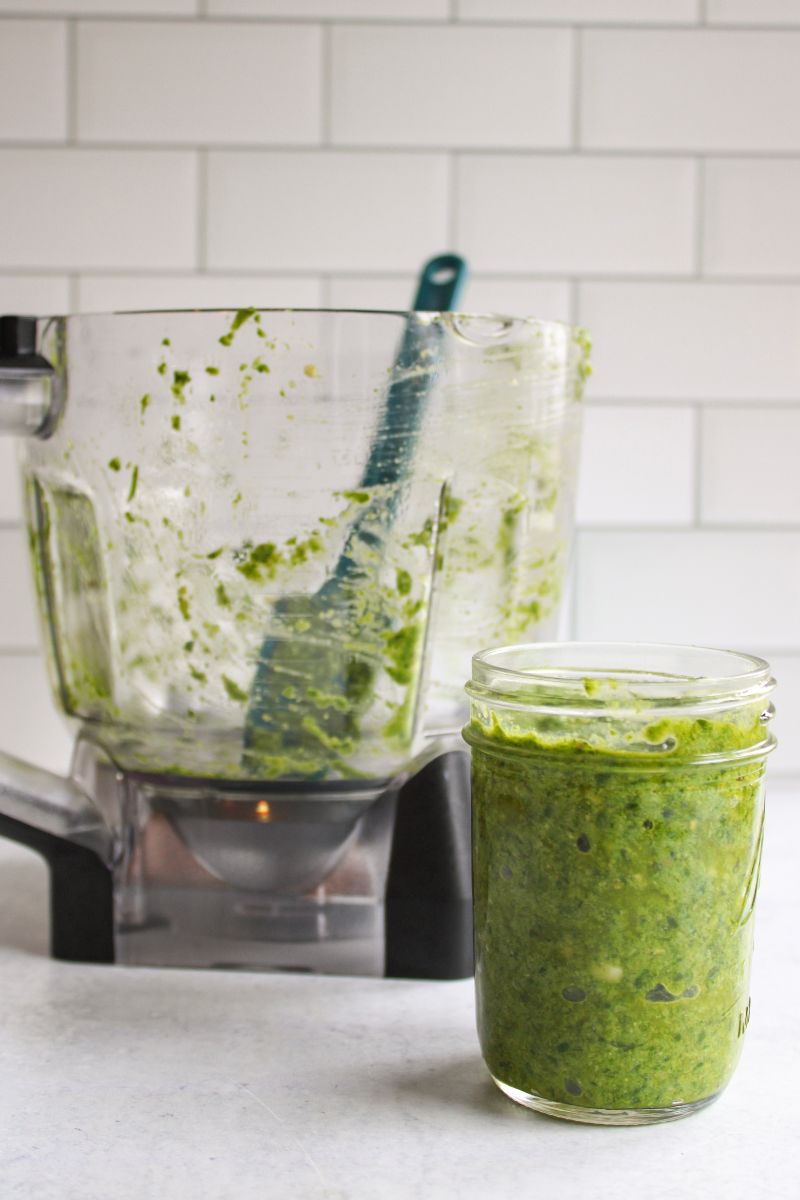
29, 391
52, 816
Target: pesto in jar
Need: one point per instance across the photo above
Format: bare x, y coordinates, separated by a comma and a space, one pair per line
614, 894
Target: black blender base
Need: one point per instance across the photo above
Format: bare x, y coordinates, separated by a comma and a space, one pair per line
421, 926
81, 894
429, 890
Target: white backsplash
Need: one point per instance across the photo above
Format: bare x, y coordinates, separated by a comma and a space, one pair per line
630, 164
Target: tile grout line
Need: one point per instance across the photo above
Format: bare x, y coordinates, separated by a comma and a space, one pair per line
401, 149
618, 26
201, 211
733, 529
553, 276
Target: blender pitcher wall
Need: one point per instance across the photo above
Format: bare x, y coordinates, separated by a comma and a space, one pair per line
634, 166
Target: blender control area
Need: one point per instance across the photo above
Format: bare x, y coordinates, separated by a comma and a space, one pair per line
130, 1083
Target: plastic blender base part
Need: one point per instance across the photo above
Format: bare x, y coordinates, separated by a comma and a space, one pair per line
81, 894
397, 903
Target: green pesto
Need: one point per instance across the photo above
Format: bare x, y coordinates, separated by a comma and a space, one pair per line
244, 314
613, 910
134, 483
402, 653
404, 582
180, 381
234, 691
183, 602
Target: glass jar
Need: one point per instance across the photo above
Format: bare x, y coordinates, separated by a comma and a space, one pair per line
618, 804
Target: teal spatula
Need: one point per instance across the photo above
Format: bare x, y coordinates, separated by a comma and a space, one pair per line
307, 694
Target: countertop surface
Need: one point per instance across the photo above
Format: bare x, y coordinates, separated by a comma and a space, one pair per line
120, 1084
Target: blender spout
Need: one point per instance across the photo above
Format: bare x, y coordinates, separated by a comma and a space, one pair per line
28, 382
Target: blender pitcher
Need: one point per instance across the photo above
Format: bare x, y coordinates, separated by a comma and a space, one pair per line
265, 545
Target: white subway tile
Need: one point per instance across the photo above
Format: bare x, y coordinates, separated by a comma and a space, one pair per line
33, 81
749, 466
30, 725
103, 8
542, 213
325, 212
371, 291
753, 12
18, 622
786, 698
596, 12
693, 340
83, 209
166, 81
751, 208
548, 299
103, 293
39, 295
718, 589
518, 94
330, 10
637, 466
545, 298
691, 90
10, 486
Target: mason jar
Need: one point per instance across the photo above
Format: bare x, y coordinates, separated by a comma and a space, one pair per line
618, 809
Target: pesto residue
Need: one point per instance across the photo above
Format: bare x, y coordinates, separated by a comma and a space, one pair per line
613, 905
196, 595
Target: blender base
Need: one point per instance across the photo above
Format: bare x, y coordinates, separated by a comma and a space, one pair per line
348, 879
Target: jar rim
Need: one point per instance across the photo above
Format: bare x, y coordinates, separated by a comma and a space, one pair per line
585, 676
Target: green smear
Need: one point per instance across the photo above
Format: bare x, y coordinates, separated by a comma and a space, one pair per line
234, 691
180, 381
134, 482
244, 314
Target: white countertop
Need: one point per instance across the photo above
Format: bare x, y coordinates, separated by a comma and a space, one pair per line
125, 1083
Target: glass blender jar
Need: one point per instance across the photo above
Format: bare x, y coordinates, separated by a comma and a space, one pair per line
265, 545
